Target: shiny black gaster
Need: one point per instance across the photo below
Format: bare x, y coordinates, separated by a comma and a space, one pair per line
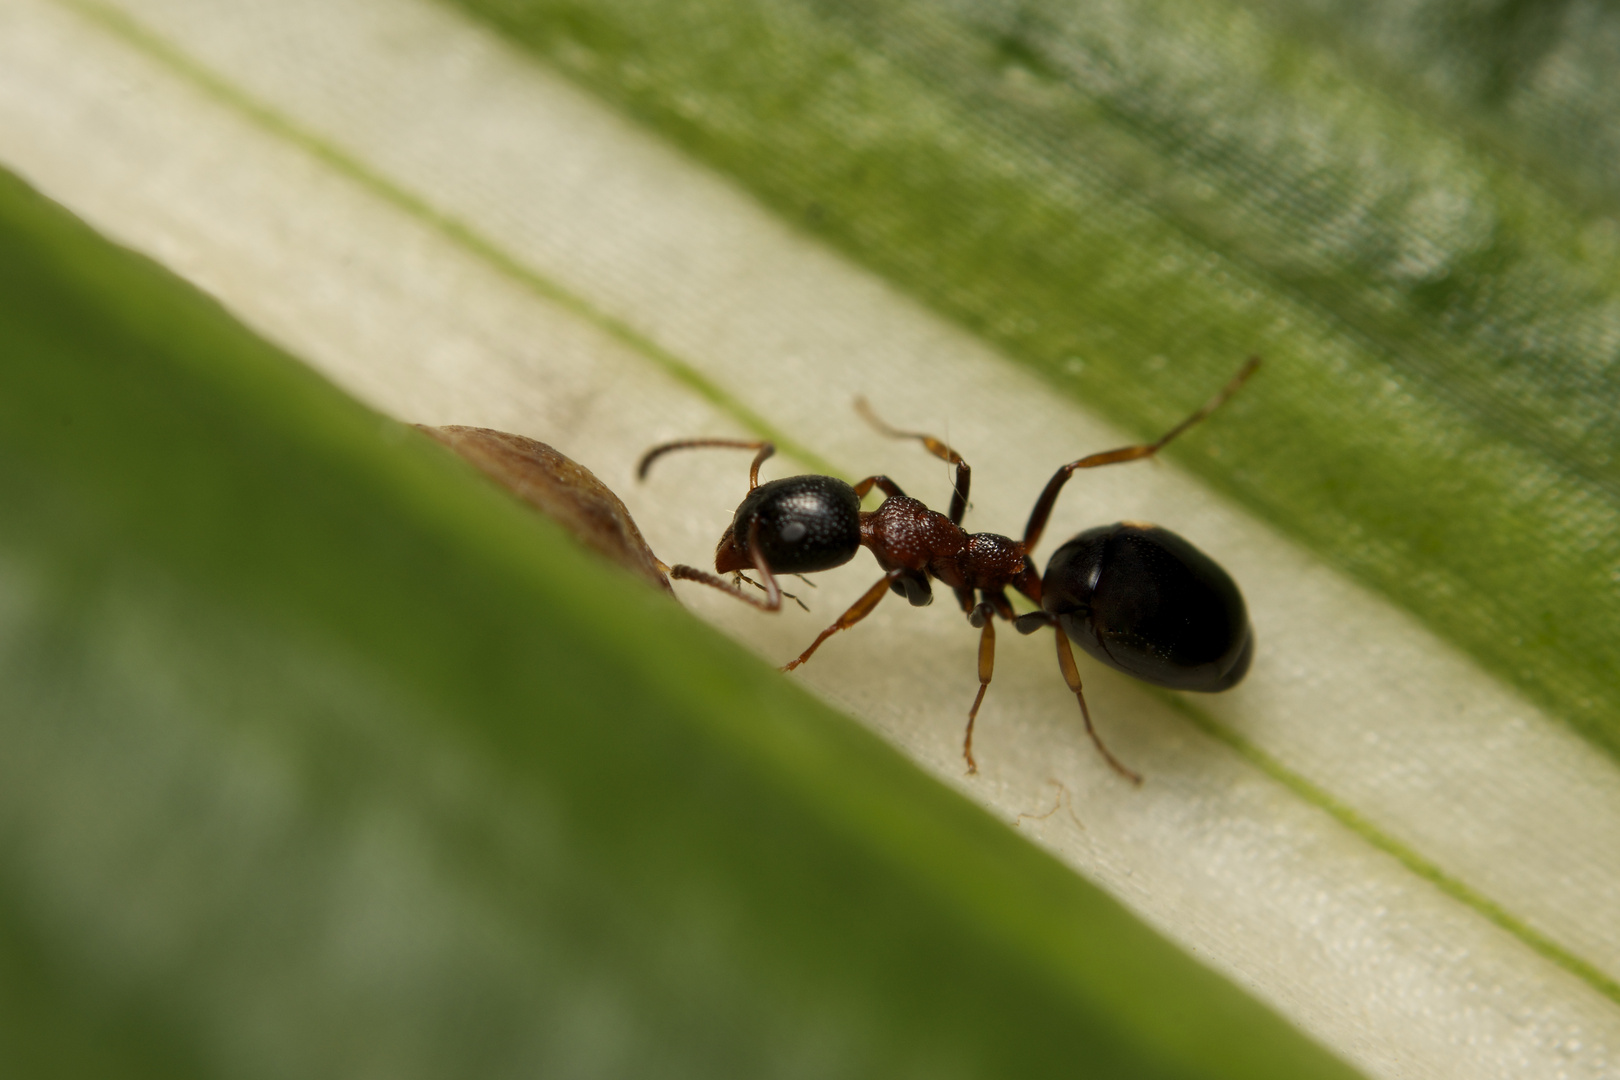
1146, 602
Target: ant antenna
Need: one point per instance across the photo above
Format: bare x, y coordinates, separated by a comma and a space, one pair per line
766, 449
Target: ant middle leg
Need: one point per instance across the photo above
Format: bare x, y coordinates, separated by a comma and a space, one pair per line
964, 473
981, 616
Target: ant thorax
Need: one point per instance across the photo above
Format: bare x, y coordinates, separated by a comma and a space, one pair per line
905, 534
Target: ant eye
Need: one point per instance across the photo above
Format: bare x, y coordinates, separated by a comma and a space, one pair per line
793, 532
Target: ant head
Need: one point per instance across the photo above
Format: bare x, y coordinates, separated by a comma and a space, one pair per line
801, 523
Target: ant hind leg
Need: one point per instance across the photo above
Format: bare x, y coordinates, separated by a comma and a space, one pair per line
1071, 675
1043, 506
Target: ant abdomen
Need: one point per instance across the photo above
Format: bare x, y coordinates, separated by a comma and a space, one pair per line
802, 524
1144, 601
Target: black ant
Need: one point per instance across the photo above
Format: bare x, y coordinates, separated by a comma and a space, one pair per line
1135, 596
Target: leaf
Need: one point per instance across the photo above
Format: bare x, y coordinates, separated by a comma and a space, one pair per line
1090, 187
448, 231
324, 758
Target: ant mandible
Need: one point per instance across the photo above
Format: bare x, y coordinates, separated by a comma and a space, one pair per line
1137, 597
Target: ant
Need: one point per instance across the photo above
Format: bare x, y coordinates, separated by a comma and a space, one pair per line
1135, 596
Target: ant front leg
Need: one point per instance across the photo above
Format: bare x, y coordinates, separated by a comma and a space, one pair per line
859, 610
740, 578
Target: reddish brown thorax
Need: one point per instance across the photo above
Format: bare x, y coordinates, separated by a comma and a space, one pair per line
904, 533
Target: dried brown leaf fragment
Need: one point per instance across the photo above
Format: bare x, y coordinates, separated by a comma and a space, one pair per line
562, 489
